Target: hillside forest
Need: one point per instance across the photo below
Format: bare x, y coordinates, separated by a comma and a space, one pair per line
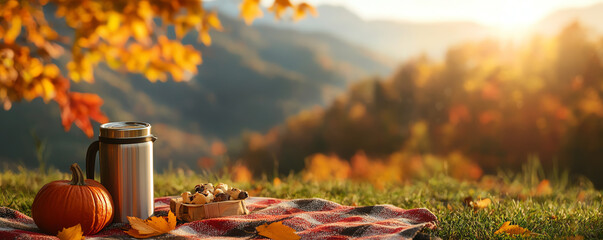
488, 106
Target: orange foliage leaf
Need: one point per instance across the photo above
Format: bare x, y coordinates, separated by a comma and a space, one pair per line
13, 31
80, 108
218, 148
250, 10
375, 171
213, 21
72, 233
279, 7
153, 226
276, 182
277, 231
26, 77
120, 35
301, 10
205, 38
209, 21
320, 167
241, 173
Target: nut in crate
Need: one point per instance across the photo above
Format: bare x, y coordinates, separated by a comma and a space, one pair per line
208, 201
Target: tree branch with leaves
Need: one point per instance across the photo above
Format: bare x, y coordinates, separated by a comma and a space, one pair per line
126, 35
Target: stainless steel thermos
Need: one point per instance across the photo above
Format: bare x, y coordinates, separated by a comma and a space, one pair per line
125, 151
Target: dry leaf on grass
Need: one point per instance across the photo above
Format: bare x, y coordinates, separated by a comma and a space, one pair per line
514, 230
277, 231
478, 204
481, 204
151, 227
544, 188
72, 233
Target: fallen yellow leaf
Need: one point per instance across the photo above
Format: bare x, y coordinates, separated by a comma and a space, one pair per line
151, 227
277, 231
514, 230
481, 204
477, 204
72, 233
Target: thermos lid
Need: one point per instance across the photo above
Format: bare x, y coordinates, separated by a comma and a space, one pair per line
125, 130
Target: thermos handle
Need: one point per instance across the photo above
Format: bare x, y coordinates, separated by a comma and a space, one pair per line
90, 159
93, 149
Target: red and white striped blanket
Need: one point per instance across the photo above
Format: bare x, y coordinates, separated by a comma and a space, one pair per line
311, 218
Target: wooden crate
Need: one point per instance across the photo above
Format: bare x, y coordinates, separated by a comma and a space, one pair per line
192, 212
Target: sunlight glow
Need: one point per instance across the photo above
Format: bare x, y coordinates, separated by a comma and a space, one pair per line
495, 13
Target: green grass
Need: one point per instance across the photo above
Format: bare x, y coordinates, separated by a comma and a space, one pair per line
571, 210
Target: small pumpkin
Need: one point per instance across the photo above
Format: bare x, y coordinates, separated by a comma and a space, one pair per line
62, 204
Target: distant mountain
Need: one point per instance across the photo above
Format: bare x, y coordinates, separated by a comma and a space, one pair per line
589, 16
252, 78
403, 39
397, 39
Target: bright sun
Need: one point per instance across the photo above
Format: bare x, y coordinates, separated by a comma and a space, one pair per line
505, 14
511, 14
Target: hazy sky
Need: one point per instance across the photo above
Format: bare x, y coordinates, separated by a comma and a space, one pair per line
500, 13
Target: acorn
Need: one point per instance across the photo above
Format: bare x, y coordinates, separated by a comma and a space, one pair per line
198, 188
221, 197
204, 186
243, 195
233, 193
218, 191
222, 186
237, 194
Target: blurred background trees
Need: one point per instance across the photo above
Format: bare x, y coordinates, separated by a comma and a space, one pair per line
487, 107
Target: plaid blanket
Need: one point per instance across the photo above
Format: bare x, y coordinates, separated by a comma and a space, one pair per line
311, 218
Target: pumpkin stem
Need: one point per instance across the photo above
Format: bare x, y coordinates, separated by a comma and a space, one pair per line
77, 176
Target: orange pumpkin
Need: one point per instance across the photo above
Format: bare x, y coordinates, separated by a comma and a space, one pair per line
62, 204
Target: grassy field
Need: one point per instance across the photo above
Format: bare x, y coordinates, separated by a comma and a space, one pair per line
563, 211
